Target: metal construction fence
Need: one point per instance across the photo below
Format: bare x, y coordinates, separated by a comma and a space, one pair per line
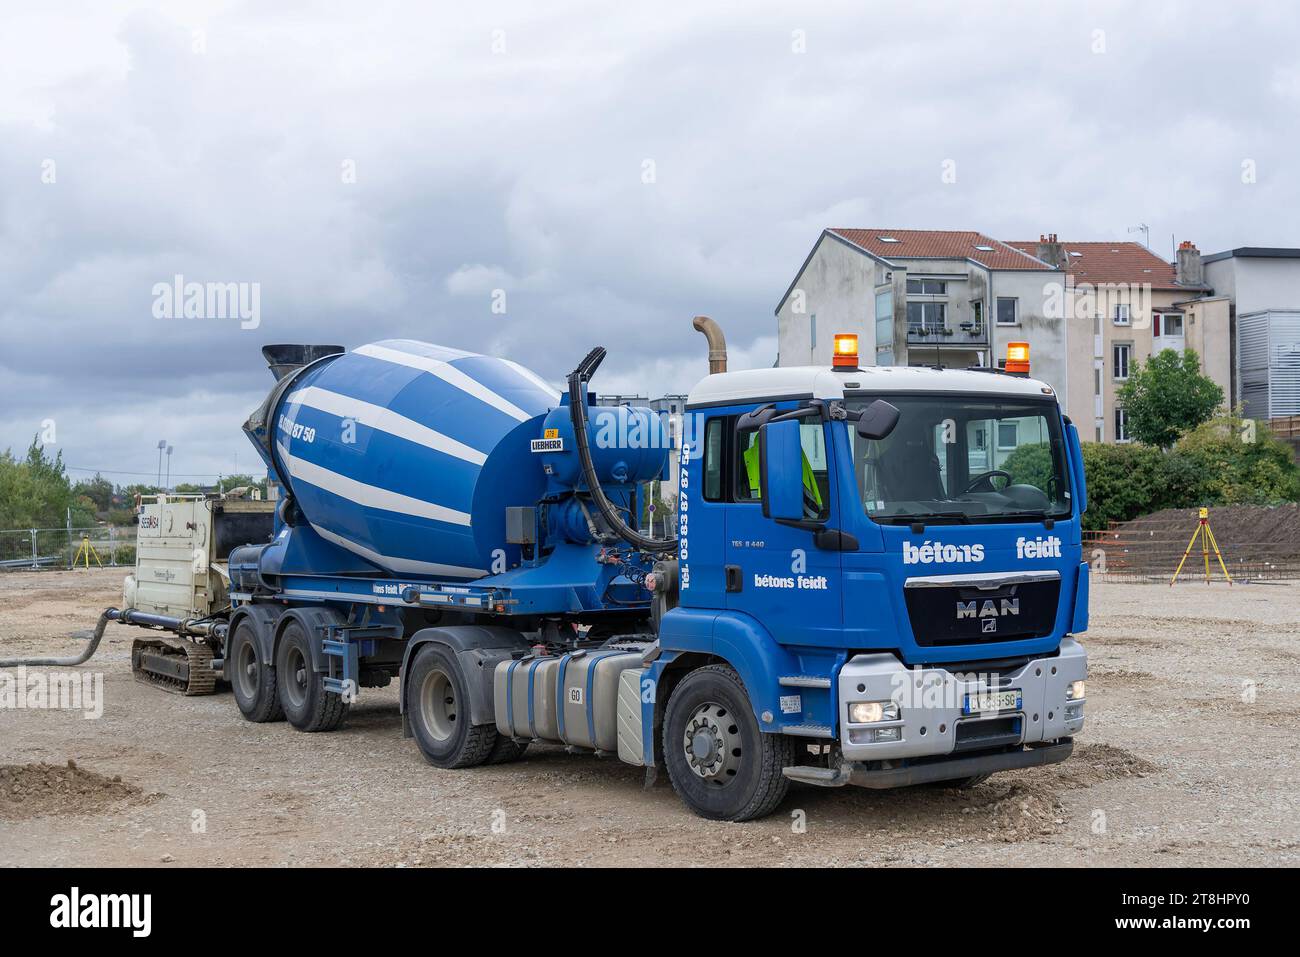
37, 548
1152, 552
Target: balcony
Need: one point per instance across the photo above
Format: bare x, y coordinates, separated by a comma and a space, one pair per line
954, 334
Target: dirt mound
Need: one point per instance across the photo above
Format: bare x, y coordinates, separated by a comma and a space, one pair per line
1245, 524
1095, 763
1015, 812
34, 790
1257, 541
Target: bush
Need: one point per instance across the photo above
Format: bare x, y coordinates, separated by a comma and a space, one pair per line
1218, 463
1242, 463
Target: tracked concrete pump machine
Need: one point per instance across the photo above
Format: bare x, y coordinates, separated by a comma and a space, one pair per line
876, 578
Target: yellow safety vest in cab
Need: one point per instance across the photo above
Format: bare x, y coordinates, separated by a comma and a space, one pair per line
812, 493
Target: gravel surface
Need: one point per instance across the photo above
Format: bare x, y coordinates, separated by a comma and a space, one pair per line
1189, 758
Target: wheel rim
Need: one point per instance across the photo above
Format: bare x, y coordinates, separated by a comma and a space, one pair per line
246, 676
438, 704
296, 679
711, 744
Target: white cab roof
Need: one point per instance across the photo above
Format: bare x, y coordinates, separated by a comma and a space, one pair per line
817, 382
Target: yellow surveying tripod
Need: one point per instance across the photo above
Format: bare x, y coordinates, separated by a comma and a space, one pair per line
85, 552
1206, 536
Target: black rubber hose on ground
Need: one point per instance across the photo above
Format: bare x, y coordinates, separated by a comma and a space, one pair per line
578, 416
109, 614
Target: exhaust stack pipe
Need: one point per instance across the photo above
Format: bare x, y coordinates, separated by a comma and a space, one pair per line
717, 343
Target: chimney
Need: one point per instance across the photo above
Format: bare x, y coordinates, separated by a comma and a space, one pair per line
1051, 251
1188, 271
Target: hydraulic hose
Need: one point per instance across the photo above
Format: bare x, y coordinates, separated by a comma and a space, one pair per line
109, 614
578, 379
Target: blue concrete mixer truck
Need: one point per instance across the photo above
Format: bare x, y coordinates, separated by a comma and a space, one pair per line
875, 579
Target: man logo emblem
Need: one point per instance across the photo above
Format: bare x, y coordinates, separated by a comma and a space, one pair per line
989, 625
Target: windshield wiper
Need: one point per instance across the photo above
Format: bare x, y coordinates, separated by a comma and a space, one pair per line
1038, 514
920, 518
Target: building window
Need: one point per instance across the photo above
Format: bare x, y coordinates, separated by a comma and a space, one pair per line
927, 287
1173, 324
885, 328
1122, 353
1008, 311
1121, 314
1008, 436
926, 316
1121, 426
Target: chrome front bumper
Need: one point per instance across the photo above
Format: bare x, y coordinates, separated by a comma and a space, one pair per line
933, 718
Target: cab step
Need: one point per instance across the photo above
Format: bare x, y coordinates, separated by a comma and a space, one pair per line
803, 681
808, 730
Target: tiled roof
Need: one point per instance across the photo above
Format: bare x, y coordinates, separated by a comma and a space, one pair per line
1130, 263
941, 244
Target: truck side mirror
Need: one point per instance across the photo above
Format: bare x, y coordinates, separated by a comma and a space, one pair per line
877, 420
1076, 457
781, 471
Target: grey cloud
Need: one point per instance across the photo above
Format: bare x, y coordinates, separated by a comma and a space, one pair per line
524, 171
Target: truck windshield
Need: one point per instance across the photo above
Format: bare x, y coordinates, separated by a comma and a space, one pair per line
955, 458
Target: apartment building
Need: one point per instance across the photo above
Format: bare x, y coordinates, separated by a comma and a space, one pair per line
1090, 311
1122, 305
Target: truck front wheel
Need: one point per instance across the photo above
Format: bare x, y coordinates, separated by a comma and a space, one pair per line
437, 706
720, 763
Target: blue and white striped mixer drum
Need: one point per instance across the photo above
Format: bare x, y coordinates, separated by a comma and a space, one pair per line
407, 454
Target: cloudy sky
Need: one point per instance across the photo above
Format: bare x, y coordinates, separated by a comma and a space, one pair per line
382, 169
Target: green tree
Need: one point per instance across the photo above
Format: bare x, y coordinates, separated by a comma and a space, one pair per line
1168, 396
98, 489
35, 492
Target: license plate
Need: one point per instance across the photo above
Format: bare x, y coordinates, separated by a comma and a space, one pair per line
992, 701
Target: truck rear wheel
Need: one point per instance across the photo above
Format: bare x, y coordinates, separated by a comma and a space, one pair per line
437, 705
251, 678
303, 698
720, 763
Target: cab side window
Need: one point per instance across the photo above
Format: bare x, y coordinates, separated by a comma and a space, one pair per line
713, 459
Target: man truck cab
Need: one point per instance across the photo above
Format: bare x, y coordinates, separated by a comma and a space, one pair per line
910, 621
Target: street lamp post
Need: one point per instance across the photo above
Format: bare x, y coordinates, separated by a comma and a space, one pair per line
169, 468
162, 444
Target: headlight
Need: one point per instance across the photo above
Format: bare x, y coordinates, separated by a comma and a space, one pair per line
1074, 691
869, 712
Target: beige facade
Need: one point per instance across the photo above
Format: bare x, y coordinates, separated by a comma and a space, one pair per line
1116, 327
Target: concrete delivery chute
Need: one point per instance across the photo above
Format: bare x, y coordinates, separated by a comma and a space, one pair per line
895, 600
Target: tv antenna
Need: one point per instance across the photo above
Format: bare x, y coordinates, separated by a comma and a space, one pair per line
1145, 230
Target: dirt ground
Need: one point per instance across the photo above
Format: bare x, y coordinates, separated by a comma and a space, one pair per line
1189, 757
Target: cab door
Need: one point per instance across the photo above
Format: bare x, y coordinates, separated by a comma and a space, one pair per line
775, 572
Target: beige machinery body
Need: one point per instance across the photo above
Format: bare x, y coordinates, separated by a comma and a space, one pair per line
182, 542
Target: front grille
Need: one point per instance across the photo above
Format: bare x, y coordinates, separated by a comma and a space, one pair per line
946, 615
